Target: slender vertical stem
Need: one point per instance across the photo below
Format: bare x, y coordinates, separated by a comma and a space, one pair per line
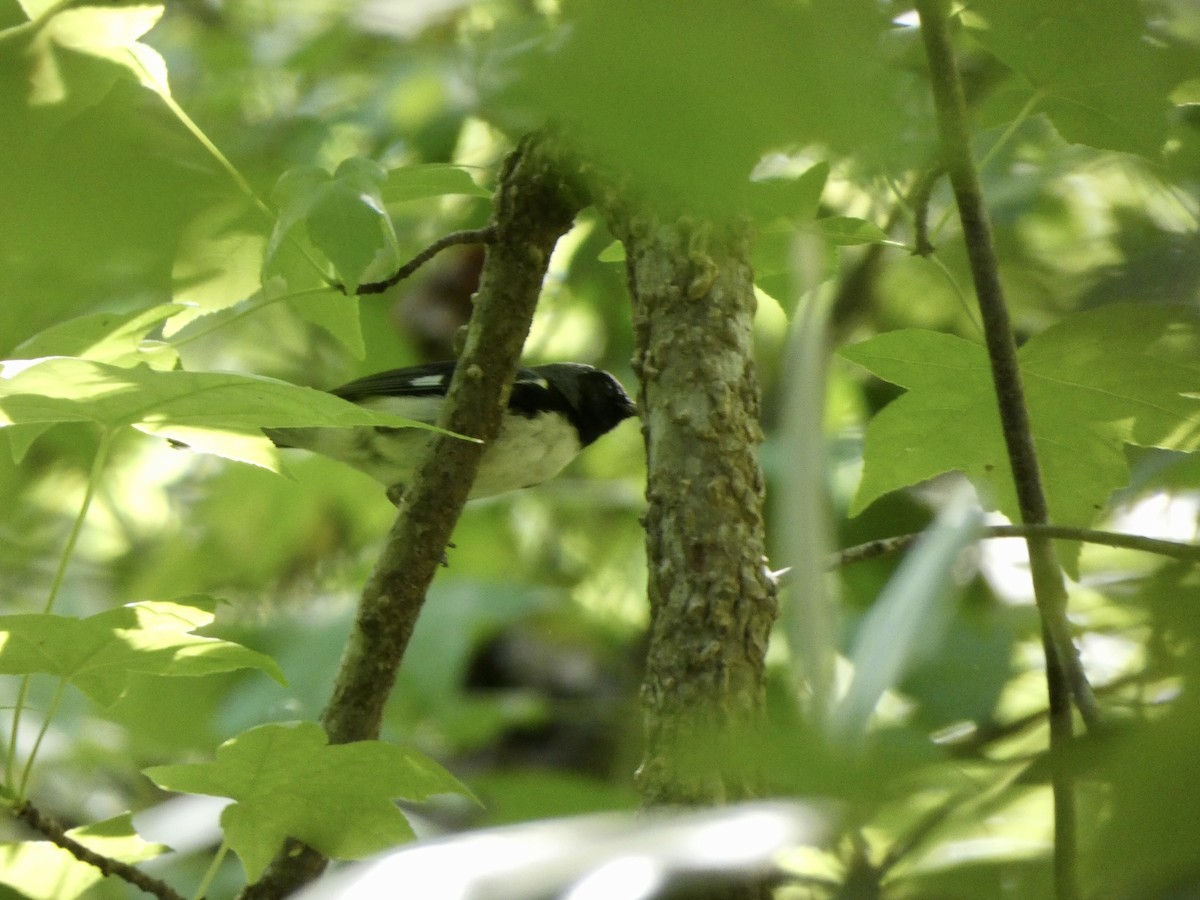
99, 461
97, 470
51, 710
1063, 671
210, 873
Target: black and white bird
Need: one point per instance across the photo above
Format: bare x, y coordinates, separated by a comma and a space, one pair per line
554, 411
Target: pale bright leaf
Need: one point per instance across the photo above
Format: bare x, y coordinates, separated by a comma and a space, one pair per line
99, 653
41, 870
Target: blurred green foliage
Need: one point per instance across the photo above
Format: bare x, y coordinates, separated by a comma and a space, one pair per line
383, 125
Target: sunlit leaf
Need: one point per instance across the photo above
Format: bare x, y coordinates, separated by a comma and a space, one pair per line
107, 32
173, 404
99, 653
1094, 382
122, 340
287, 781
41, 870
218, 265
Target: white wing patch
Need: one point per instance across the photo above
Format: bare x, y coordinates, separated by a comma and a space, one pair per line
428, 381
532, 378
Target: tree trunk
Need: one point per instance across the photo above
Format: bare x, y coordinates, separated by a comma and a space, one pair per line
712, 603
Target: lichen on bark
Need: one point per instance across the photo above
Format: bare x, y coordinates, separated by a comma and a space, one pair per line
712, 602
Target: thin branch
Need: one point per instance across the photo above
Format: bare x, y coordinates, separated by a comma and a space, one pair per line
987, 733
884, 546
534, 207
922, 191
45, 825
486, 235
1064, 673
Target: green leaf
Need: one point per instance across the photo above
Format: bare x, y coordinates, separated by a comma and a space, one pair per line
110, 33
287, 781
337, 314
107, 337
218, 265
642, 88
213, 412
794, 199
294, 195
907, 621
350, 225
1098, 73
1093, 383
344, 216
99, 653
41, 870
614, 252
845, 231
429, 180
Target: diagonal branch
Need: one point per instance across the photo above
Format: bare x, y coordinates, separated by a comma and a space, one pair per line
45, 825
534, 207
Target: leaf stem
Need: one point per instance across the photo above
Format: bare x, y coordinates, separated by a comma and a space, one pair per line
239, 180
51, 710
211, 872
1048, 586
1024, 113
958, 291
98, 463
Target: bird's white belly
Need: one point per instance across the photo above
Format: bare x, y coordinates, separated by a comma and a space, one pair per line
526, 452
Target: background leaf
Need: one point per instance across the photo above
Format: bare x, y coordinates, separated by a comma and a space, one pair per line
1093, 67
287, 781
429, 180
213, 412
1095, 382
100, 653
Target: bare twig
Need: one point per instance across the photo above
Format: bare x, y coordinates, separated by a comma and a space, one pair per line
884, 546
486, 235
922, 190
47, 826
987, 733
1064, 674
534, 207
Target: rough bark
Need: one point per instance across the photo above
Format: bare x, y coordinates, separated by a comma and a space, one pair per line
711, 602
534, 207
